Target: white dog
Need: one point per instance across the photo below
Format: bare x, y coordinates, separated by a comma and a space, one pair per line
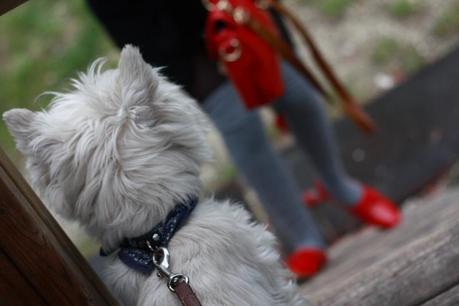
118, 153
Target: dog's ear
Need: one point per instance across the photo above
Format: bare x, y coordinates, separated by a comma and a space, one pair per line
138, 79
18, 121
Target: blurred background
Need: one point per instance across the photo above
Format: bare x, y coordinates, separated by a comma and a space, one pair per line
373, 45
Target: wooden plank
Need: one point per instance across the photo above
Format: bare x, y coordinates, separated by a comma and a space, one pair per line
447, 298
40, 249
14, 287
406, 266
417, 274
370, 245
7, 5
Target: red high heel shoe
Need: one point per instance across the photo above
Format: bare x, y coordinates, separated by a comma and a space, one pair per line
376, 209
307, 262
373, 208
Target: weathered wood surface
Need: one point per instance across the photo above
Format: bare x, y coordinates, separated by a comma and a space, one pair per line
7, 5
447, 298
416, 263
39, 257
14, 288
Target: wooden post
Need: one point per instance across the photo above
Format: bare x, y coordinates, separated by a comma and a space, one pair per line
39, 265
7, 5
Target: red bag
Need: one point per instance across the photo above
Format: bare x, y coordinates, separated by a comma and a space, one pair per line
250, 63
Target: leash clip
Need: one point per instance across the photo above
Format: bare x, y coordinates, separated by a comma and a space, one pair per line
161, 260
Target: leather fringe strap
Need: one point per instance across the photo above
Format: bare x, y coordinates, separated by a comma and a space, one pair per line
286, 52
351, 108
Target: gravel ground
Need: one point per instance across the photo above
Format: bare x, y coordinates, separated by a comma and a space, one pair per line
349, 41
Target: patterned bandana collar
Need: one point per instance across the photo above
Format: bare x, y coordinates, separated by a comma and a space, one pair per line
137, 253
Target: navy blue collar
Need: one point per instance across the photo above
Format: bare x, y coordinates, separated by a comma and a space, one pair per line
137, 252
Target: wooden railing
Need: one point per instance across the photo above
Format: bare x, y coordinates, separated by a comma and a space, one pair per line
39, 265
7, 5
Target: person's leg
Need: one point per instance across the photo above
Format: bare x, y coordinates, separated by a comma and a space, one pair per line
306, 117
262, 168
305, 114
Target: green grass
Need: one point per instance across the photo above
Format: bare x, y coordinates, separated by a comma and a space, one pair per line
43, 44
447, 24
389, 52
334, 8
384, 50
411, 60
402, 9
330, 8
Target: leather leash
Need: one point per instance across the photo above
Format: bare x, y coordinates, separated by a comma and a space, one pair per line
350, 106
186, 295
176, 282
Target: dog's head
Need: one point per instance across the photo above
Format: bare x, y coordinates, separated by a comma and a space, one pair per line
122, 147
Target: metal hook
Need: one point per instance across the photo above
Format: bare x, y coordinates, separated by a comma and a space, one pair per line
161, 257
175, 279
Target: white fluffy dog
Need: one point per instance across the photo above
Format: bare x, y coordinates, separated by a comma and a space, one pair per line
117, 154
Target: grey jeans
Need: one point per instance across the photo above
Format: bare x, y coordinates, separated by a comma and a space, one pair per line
264, 170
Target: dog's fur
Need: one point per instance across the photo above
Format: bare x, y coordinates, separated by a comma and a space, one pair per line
116, 154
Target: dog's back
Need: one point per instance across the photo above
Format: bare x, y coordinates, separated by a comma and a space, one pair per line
117, 154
